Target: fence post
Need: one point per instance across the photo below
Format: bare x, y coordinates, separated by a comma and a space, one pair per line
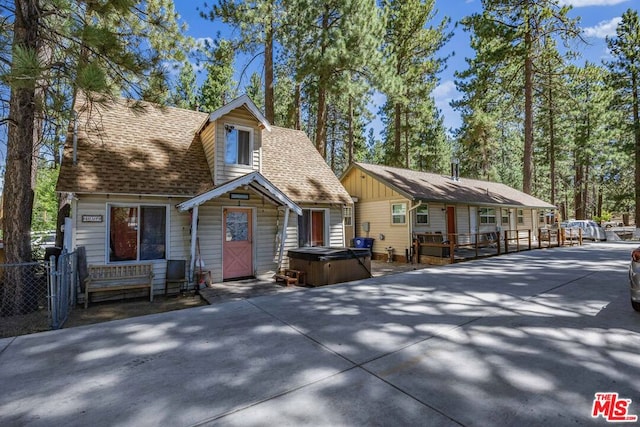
506, 241
539, 238
517, 240
498, 244
529, 237
53, 293
451, 254
476, 243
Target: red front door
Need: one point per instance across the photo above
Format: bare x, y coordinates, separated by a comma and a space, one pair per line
451, 223
237, 249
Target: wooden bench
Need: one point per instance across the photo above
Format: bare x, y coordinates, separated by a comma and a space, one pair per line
290, 277
117, 277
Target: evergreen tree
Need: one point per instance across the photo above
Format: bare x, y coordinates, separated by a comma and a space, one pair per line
184, 93
340, 45
57, 48
219, 86
258, 22
255, 90
625, 70
514, 32
411, 47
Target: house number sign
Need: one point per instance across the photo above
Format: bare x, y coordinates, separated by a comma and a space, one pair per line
91, 218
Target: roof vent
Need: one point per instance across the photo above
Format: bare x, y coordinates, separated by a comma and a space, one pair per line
455, 169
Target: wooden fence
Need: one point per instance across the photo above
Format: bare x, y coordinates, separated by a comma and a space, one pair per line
444, 249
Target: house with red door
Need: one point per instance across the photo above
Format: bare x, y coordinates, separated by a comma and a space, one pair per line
394, 205
226, 191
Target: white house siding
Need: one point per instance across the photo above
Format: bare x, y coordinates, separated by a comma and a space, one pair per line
93, 236
463, 227
437, 219
264, 234
336, 230
240, 117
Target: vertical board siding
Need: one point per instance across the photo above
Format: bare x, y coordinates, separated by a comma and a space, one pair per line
374, 206
241, 117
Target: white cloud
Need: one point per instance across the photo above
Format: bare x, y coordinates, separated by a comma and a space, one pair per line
443, 94
603, 29
444, 90
201, 42
585, 3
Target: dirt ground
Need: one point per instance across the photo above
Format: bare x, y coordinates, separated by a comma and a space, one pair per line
98, 312
122, 309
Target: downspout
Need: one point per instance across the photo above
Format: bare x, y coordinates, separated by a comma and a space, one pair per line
283, 238
194, 237
410, 228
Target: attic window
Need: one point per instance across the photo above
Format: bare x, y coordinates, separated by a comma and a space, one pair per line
238, 142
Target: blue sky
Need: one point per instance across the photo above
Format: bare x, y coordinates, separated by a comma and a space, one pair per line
598, 18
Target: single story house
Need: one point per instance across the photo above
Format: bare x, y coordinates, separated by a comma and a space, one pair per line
225, 191
392, 205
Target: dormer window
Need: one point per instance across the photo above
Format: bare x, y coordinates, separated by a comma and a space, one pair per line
238, 145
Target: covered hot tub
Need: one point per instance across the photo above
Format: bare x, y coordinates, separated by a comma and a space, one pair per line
326, 266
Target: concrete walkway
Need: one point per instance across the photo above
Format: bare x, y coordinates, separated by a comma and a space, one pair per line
522, 339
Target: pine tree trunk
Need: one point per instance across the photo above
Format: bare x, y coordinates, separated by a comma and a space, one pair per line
397, 135
527, 163
636, 134
323, 80
297, 117
351, 142
406, 139
552, 145
18, 192
577, 192
321, 120
585, 189
269, 108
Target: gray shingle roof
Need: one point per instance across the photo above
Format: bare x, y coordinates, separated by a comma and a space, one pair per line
441, 188
292, 163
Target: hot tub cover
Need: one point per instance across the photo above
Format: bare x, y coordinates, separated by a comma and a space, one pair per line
320, 253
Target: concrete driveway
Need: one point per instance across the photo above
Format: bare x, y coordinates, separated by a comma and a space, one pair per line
523, 339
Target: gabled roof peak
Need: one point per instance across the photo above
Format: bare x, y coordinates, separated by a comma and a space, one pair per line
240, 101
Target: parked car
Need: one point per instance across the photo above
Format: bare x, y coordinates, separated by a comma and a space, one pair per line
591, 230
634, 279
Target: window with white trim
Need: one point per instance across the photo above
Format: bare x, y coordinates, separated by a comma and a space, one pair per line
487, 215
347, 216
505, 217
238, 145
520, 216
137, 232
398, 213
422, 215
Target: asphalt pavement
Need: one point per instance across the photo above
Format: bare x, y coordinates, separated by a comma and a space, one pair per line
516, 340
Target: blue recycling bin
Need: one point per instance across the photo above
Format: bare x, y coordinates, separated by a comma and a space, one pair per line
363, 242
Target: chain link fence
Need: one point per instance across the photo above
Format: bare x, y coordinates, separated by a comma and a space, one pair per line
37, 296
